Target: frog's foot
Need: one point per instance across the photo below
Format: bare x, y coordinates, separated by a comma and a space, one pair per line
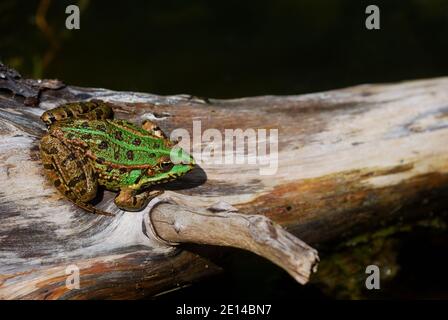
92, 110
129, 200
153, 129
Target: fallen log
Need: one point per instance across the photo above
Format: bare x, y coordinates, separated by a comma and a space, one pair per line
349, 160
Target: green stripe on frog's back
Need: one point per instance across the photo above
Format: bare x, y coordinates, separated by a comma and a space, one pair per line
118, 141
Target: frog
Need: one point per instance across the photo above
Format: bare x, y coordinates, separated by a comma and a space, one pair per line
85, 149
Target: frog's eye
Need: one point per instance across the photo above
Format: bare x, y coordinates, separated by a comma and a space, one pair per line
166, 166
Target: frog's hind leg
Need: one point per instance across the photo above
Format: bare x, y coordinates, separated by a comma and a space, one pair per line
91, 110
73, 177
129, 200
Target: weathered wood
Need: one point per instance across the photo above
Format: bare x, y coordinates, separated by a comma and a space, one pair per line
255, 233
349, 160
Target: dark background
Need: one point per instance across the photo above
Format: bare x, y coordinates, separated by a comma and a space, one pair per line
227, 49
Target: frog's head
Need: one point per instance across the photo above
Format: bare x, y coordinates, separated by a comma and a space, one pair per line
170, 167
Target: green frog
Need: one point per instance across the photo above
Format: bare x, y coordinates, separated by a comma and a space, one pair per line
86, 148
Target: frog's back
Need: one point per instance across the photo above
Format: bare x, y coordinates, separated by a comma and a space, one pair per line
118, 142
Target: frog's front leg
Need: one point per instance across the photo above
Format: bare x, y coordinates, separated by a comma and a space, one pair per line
72, 176
92, 110
130, 200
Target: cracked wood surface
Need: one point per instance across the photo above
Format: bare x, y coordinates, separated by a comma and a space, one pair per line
349, 160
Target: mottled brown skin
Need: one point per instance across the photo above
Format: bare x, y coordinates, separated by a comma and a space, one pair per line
70, 174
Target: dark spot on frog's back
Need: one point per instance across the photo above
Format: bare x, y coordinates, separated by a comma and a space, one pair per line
103, 145
136, 142
87, 136
130, 155
118, 135
85, 125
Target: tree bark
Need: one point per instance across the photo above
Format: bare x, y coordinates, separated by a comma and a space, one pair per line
349, 160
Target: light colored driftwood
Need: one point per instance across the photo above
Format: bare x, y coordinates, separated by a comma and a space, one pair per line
255, 233
349, 160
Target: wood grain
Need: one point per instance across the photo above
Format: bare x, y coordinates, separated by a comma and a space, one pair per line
349, 160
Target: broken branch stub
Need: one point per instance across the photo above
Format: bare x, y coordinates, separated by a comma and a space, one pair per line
180, 224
